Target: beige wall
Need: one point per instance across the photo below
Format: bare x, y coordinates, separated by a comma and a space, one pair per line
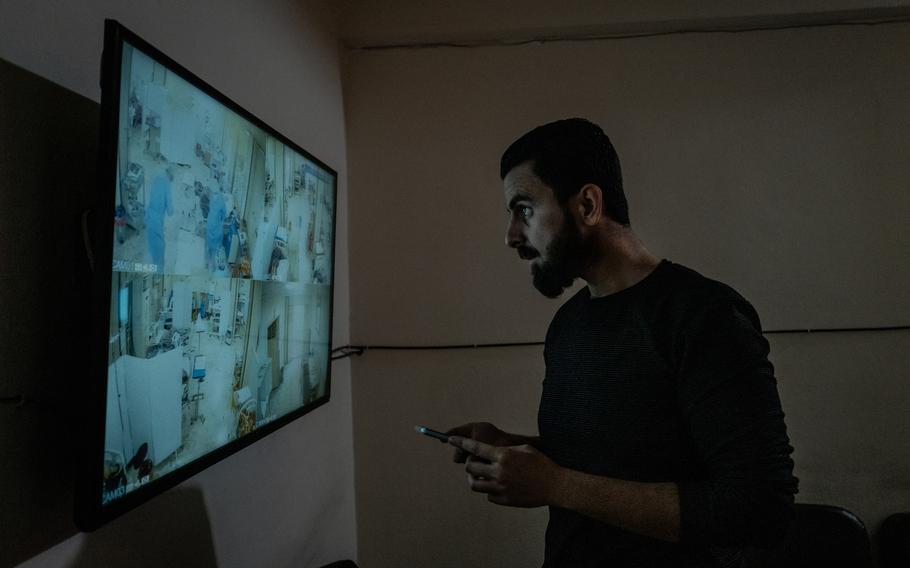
287, 500
773, 161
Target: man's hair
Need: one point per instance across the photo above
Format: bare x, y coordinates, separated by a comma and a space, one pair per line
566, 155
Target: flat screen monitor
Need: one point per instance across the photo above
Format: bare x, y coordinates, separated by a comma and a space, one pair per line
212, 280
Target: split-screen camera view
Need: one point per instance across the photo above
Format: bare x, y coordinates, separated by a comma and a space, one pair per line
221, 281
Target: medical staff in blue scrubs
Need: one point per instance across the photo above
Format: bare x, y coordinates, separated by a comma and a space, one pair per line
214, 229
160, 204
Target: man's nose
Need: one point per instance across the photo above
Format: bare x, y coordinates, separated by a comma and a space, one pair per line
514, 236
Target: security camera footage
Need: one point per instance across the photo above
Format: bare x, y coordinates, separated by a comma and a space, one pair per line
221, 291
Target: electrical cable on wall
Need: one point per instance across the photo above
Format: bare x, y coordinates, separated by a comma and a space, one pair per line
57, 405
349, 350
19, 400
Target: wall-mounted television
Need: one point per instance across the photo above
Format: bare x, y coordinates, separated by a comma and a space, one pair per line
212, 281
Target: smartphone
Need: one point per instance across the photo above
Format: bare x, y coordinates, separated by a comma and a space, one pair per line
432, 433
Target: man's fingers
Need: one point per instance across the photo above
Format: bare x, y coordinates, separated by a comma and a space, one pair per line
464, 430
462, 456
479, 468
484, 485
479, 449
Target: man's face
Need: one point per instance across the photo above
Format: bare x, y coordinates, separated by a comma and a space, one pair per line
542, 232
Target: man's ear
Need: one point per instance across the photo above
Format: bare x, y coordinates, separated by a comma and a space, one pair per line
589, 205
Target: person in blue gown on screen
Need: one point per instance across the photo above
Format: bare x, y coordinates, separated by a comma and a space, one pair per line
159, 205
214, 230
231, 229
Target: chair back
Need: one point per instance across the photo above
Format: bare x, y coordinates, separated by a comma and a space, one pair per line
826, 536
894, 541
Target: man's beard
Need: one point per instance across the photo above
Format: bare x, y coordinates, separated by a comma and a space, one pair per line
565, 259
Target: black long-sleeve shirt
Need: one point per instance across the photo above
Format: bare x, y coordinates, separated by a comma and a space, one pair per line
667, 381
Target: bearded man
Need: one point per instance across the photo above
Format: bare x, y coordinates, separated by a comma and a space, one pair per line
661, 436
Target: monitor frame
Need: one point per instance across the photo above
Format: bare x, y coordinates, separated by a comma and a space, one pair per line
89, 512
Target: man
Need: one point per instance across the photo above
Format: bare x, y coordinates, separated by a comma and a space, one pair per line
214, 230
662, 440
160, 205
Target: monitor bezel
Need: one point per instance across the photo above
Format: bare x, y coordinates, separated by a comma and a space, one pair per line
89, 512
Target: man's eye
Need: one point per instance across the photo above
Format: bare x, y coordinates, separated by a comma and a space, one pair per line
525, 212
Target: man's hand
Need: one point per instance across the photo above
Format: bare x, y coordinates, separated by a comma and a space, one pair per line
482, 432
522, 476
517, 476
